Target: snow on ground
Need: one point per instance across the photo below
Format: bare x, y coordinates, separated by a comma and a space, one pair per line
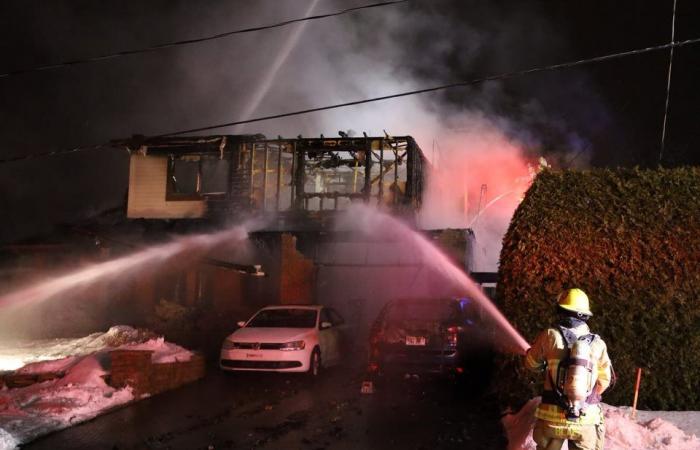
29, 412
688, 421
163, 352
56, 365
16, 354
32, 411
6, 440
652, 430
58, 355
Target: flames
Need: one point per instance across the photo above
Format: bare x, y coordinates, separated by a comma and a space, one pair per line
477, 180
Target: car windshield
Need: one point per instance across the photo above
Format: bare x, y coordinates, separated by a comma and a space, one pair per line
431, 310
284, 318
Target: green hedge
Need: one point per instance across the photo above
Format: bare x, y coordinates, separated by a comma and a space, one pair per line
630, 238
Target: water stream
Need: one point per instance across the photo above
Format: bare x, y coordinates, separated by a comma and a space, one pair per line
118, 267
370, 221
273, 71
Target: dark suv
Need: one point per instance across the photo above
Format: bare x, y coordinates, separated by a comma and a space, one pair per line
423, 336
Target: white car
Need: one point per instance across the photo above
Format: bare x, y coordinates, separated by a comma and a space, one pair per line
287, 338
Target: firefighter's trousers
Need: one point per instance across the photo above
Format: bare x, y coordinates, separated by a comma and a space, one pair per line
551, 436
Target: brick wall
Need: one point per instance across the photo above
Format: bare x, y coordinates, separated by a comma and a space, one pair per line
134, 368
298, 274
226, 289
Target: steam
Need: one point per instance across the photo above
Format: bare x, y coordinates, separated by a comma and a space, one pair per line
479, 176
442, 276
370, 53
490, 135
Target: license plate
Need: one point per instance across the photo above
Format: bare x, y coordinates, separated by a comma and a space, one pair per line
253, 355
415, 340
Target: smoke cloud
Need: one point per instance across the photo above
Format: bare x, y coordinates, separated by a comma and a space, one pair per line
363, 54
483, 141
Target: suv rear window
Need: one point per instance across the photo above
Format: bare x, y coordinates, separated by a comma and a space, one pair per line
431, 310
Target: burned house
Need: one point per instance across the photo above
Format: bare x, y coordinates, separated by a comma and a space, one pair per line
299, 183
294, 190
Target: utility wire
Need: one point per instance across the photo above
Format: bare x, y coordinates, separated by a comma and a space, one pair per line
501, 76
668, 84
64, 151
195, 41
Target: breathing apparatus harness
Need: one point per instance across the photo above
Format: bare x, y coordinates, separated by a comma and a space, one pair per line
570, 390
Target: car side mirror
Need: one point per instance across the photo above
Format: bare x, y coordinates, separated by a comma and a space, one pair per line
325, 325
241, 324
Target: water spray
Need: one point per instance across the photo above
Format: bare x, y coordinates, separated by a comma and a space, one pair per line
271, 74
370, 220
118, 267
482, 210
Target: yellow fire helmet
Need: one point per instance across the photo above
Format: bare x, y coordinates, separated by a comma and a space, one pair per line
575, 300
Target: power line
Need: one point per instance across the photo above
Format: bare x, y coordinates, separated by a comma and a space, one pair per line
501, 76
59, 152
668, 84
195, 41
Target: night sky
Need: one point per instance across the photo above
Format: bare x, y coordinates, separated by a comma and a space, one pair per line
609, 114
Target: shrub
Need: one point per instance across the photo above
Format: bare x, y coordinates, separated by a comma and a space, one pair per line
630, 239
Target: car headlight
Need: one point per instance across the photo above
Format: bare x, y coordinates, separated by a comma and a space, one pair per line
295, 345
229, 345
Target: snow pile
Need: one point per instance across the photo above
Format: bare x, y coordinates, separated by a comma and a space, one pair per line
55, 365
624, 433
29, 412
35, 410
163, 352
7, 441
14, 355
59, 355
621, 432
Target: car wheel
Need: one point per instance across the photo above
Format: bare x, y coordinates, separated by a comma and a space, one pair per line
315, 363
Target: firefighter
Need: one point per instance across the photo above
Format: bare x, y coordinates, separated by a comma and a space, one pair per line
577, 370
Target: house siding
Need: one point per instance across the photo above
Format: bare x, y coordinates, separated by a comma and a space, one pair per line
147, 189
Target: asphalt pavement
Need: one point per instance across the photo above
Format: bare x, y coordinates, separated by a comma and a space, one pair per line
290, 411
